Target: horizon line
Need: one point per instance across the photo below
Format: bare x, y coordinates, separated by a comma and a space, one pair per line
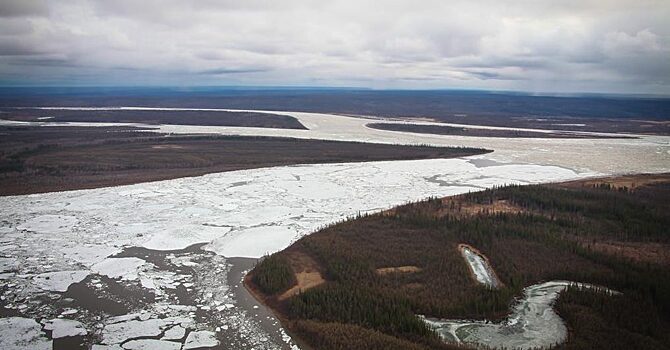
194, 88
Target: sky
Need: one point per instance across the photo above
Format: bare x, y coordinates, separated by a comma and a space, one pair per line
566, 46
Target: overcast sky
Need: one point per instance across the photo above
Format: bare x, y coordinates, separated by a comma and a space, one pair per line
618, 46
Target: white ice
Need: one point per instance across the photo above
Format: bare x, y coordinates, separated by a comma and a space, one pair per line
251, 212
19, 333
118, 332
183, 236
61, 328
123, 268
201, 339
174, 333
253, 242
59, 281
8, 264
479, 268
49, 224
151, 344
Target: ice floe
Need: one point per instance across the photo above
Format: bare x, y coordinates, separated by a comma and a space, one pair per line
151, 344
61, 328
19, 333
116, 333
174, 333
59, 281
123, 268
201, 339
253, 242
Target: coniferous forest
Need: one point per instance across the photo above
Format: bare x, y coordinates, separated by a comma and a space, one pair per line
598, 233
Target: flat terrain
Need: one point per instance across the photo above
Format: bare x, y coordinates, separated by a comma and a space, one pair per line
57, 158
458, 131
584, 113
529, 234
207, 118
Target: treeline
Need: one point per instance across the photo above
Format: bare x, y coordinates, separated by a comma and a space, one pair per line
601, 211
184, 117
273, 274
340, 336
600, 320
536, 244
340, 302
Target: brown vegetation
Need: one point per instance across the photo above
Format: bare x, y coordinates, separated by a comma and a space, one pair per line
398, 269
643, 252
305, 281
629, 182
307, 273
462, 207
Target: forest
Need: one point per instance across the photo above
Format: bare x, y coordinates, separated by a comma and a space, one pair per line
509, 133
530, 234
155, 117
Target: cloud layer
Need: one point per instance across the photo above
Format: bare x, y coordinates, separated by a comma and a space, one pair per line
533, 45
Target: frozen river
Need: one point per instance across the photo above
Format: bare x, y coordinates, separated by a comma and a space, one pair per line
168, 253
532, 323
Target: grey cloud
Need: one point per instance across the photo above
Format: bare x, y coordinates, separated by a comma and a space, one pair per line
220, 71
499, 62
16, 48
21, 8
523, 44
